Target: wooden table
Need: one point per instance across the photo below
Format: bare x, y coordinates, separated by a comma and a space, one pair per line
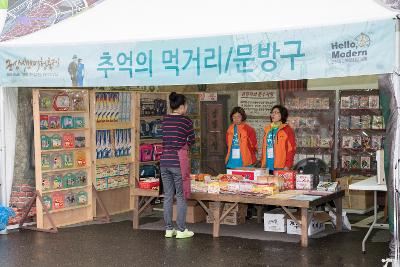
220, 199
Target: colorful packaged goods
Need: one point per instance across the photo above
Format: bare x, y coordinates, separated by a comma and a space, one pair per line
70, 199
56, 141
150, 183
213, 188
289, 178
57, 182
58, 201
46, 182
48, 202
54, 122
248, 173
82, 198
304, 181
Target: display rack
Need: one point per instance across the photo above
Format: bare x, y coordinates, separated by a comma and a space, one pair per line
312, 116
361, 131
194, 113
113, 134
62, 157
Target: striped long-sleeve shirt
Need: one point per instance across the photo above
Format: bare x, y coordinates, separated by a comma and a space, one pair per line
177, 131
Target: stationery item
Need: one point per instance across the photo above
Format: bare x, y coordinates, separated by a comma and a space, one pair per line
356, 142
69, 180
44, 122
56, 161
81, 178
355, 162
82, 198
80, 141
48, 202
345, 102
70, 199
355, 122
346, 162
67, 122
46, 182
354, 101
366, 141
344, 122
54, 122
61, 102
365, 162
364, 102
365, 122
80, 157
376, 142
377, 122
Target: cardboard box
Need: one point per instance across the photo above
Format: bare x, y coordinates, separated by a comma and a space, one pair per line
233, 218
275, 221
194, 213
250, 174
355, 199
239, 207
316, 225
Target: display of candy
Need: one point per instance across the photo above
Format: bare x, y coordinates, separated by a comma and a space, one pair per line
82, 198
70, 199
68, 140
56, 161
45, 142
44, 122
56, 141
58, 200
47, 201
67, 122
113, 107
79, 122
79, 141
54, 122
68, 160
46, 182
45, 162
61, 102
57, 181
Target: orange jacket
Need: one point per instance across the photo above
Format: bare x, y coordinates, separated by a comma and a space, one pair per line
284, 147
247, 142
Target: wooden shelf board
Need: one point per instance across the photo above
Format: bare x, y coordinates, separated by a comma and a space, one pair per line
152, 117
112, 188
69, 208
113, 125
65, 150
372, 130
149, 162
144, 192
64, 130
54, 112
114, 161
67, 169
64, 189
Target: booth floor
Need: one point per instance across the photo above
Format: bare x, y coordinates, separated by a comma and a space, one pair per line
117, 244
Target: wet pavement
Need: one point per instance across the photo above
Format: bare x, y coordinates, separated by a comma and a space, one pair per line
117, 244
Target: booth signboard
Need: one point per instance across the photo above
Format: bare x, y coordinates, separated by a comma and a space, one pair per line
258, 103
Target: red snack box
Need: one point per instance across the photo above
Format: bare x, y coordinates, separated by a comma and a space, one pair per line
289, 179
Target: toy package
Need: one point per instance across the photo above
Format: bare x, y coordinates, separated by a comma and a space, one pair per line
45, 162
44, 122
45, 142
67, 122
68, 140
56, 141
56, 161
82, 198
46, 182
47, 201
57, 181
58, 200
70, 200
54, 122
68, 160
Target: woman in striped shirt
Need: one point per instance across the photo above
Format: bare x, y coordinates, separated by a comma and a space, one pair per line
178, 135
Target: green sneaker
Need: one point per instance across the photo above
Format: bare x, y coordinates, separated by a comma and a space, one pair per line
170, 233
184, 234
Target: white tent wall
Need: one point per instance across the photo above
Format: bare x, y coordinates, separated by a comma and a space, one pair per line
8, 124
344, 83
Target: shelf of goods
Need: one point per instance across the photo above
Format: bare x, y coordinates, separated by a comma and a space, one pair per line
113, 142
62, 156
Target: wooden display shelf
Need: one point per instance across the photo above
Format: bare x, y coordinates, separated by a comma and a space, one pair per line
112, 188
65, 149
315, 148
149, 162
114, 161
64, 130
113, 125
66, 169
360, 150
144, 192
361, 171
54, 112
366, 130
64, 189
310, 110
69, 208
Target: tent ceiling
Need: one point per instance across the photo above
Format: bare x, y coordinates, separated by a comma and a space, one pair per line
117, 20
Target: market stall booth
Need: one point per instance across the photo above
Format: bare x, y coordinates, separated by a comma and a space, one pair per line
358, 40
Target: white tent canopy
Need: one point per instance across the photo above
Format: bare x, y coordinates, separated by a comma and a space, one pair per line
116, 20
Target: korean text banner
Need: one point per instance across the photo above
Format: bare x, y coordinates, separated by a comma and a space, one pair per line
330, 51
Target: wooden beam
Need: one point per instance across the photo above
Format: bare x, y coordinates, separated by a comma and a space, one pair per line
291, 215
227, 211
304, 227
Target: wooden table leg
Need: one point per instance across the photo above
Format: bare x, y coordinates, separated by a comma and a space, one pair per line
304, 227
338, 204
259, 213
217, 219
135, 218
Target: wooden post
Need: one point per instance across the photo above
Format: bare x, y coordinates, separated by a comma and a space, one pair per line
338, 204
217, 219
259, 213
304, 227
103, 207
135, 218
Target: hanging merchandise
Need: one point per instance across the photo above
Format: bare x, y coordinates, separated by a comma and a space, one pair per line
112, 107
68, 160
57, 181
70, 199
46, 182
80, 141
44, 122
48, 202
82, 198
80, 157
81, 178
45, 162
79, 122
56, 161
58, 200
69, 180
67, 122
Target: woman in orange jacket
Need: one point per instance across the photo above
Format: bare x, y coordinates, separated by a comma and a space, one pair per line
279, 143
241, 141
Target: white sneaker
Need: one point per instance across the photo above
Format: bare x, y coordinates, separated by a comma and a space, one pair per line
170, 233
184, 234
